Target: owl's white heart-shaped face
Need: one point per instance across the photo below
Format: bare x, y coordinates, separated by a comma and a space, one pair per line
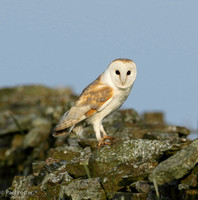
123, 73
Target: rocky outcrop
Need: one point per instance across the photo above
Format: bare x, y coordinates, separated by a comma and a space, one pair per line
148, 159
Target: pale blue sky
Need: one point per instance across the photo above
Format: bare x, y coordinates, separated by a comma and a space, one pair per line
69, 43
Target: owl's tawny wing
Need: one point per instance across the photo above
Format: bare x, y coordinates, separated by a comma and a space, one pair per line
94, 98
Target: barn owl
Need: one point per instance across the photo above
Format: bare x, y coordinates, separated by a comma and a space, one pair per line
103, 96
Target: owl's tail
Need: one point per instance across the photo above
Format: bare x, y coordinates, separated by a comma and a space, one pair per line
57, 133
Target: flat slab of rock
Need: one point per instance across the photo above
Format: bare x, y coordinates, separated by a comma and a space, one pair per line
177, 165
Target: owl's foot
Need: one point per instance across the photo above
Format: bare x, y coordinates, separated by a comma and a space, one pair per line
106, 140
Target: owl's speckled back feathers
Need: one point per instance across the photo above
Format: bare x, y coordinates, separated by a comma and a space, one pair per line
91, 100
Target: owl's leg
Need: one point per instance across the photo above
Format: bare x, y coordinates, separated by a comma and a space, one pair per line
105, 137
102, 130
96, 127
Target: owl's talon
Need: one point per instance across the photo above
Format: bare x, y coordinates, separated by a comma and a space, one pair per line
109, 138
103, 141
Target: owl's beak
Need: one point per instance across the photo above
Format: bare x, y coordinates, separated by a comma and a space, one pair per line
123, 80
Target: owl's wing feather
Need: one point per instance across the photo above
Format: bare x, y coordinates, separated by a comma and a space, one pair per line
93, 99
75, 115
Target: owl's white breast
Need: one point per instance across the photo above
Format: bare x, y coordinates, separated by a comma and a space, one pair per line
118, 99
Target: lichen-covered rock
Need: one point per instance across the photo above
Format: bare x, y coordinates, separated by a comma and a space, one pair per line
175, 134
27, 115
65, 152
21, 188
83, 189
72, 167
177, 165
125, 162
60, 176
17, 124
140, 186
49, 169
161, 136
153, 118
38, 134
191, 194
37, 166
129, 196
77, 159
191, 181
141, 150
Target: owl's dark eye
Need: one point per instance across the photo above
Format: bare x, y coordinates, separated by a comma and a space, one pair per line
117, 72
129, 72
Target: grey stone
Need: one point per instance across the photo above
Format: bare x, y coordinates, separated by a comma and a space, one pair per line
38, 134
177, 165
83, 189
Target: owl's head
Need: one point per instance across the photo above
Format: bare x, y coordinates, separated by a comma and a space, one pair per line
122, 72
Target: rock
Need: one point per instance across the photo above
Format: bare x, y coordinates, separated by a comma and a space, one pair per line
191, 181
153, 117
161, 136
39, 133
22, 138
21, 187
60, 176
73, 168
140, 186
72, 163
175, 134
177, 165
125, 162
37, 166
83, 189
89, 142
65, 152
119, 118
129, 196
48, 169
78, 167
17, 124
115, 122
130, 150
191, 194
17, 141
